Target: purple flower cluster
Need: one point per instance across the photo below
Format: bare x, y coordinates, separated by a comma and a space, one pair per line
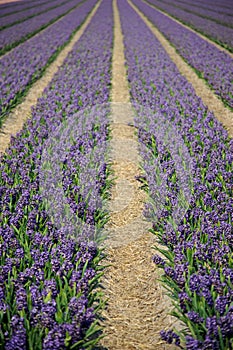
14, 18
215, 66
26, 63
169, 337
215, 31
197, 262
48, 298
12, 36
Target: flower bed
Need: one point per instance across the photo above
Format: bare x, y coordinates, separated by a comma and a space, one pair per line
14, 18
197, 251
11, 37
26, 63
215, 66
213, 15
9, 8
48, 298
218, 6
217, 32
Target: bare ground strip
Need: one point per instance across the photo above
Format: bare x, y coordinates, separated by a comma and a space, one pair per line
137, 308
3, 2
22, 112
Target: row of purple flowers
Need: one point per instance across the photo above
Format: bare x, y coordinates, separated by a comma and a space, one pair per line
26, 63
17, 17
218, 6
13, 36
16, 6
215, 31
187, 161
212, 6
213, 14
215, 66
48, 298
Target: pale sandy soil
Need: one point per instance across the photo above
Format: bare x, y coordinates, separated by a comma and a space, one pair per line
137, 308
3, 2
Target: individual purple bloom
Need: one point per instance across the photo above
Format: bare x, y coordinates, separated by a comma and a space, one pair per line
194, 283
221, 303
170, 337
212, 326
184, 299
21, 298
193, 344
207, 295
158, 260
18, 338
170, 272
225, 324
55, 339
195, 317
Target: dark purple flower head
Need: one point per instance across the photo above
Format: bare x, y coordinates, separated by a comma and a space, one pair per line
158, 260
18, 339
170, 337
195, 317
221, 303
193, 344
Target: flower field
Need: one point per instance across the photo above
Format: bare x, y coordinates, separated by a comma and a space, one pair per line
51, 258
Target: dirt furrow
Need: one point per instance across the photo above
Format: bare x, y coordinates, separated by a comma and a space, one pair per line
137, 307
22, 112
222, 113
3, 2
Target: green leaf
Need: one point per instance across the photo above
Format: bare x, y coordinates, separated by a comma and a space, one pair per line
48, 297
59, 316
67, 339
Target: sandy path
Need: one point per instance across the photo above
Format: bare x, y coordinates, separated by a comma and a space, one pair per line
3, 2
214, 104
137, 308
22, 112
